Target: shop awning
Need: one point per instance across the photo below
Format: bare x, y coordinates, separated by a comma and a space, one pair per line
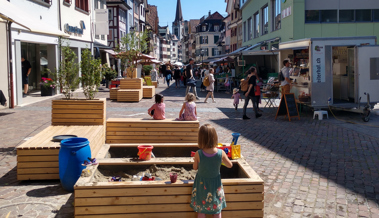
24, 20
260, 52
111, 52
295, 45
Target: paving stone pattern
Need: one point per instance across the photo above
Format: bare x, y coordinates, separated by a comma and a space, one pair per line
311, 168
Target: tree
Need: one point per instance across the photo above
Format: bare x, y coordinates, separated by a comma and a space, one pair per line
130, 49
91, 74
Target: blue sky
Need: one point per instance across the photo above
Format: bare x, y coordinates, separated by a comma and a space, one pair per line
191, 9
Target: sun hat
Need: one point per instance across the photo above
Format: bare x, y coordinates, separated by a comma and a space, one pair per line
235, 90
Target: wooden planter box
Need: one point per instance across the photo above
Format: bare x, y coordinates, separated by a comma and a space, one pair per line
133, 74
136, 83
113, 93
244, 194
78, 112
148, 91
155, 83
129, 95
37, 158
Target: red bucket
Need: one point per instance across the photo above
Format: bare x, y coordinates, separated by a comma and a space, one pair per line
144, 152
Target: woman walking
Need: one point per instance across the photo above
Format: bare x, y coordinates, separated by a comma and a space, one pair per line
168, 76
177, 77
211, 86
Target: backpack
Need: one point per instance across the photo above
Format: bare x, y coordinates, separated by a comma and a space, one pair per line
206, 81
244, 84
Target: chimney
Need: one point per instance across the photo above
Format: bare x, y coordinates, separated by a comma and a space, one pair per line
209, 13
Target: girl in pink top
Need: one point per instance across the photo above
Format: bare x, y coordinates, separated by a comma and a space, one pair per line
236, 97
188, 111
157, 111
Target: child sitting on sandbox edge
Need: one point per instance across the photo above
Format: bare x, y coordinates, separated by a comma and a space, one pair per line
188, 111
157, 111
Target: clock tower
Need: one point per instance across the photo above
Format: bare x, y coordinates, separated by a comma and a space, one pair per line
178, 24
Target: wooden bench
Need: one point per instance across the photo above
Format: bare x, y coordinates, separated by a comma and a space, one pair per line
113, 93
139, 130
129, 95
37, 158
148, 91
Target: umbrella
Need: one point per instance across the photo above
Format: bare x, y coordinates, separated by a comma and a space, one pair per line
179, 64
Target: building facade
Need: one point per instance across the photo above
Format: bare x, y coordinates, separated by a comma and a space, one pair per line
118, 12
234, 25
208, 32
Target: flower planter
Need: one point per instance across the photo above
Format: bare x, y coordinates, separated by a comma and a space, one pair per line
47, 91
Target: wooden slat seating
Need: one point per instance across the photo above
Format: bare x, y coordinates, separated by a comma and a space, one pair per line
244, 196
37, 158
113, 93
148, 91
139, 130
130, 90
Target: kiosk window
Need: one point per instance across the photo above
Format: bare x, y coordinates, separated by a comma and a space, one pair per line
363, 15
312, 16
374, 68
346, 15
375, 15
329, 16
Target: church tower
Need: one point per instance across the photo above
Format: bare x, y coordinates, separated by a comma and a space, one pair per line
178, 24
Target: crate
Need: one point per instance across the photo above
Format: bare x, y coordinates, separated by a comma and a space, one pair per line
131, 83
148, 91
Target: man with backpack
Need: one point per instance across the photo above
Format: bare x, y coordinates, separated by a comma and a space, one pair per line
250, 93
190, 80
284, 77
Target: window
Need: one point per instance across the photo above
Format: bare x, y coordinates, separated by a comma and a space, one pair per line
82, 5
375, 15
249, 29
176, 31
204, 28
110, 35
346, 16
173, 49
329, 16
231, 16
235, 14
374, 68
216, 28
276, 15
102, 3
96, 4
265, 20
256, 25
216, 38
67, 2
203, 39
244, 31
363, 15
312, 16
110, 14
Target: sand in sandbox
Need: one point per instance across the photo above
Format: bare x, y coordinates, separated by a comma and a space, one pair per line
160, 171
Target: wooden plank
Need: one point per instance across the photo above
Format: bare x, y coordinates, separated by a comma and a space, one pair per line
86, 107
38, 177
226, 214
103, 151
160, 191
80, 116
118, 141
114, 133
155, 137
152, 124
74, 120
37, 152
147, 120
73, 111
44, 134
180, 199
37, 158
150, 129
130, 161
82, 101
246, 168
156, 208
157, 145
38, 171
37, 164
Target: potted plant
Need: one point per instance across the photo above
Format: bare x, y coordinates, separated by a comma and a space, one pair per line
47, 86
109, 74
147, 69
91, 74
130, 49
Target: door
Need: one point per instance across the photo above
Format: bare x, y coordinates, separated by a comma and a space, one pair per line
367, 73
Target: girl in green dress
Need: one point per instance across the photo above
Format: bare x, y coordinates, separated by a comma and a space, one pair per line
207, 191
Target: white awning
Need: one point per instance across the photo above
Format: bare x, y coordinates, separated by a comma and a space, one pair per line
111, 52
12, 13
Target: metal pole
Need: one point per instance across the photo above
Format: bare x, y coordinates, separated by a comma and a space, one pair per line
11, 104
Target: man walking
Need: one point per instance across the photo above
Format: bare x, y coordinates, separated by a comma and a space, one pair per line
250, 93
26, 69
285, 78
189, 75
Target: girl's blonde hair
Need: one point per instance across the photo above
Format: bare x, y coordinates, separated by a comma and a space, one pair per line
190, 97
168, 68
207, 137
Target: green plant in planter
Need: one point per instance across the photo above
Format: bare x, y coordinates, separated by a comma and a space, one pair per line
147, 69
109, 73
91, 74
66, 75
130, 48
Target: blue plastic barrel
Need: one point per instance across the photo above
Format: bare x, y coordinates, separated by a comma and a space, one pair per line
72, 154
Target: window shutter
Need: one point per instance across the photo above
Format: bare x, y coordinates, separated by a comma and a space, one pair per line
201, 40
216, 38
213, 51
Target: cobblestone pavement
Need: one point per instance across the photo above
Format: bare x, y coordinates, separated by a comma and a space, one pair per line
311, 168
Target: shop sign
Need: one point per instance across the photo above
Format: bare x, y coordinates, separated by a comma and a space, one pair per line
75, 29
318, 62
286, 12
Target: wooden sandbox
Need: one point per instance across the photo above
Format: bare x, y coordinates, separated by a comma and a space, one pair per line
243, 192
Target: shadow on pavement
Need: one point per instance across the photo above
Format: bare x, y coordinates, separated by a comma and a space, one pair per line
67, 210
54, 189
335, 153
5, 114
